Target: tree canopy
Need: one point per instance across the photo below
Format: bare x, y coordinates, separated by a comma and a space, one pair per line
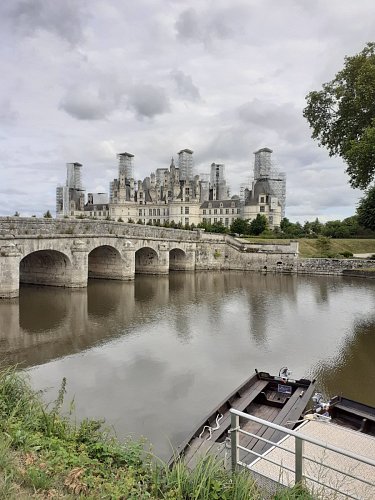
366, 210
258, 225
342, 116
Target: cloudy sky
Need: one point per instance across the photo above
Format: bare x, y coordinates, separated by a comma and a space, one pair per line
82, 80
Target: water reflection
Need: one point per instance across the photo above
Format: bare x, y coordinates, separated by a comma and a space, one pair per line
154, 355
351, 371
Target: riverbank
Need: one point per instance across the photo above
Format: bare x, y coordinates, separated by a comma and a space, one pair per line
46, 455
310, 247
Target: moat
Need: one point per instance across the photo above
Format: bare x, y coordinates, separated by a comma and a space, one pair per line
153, 356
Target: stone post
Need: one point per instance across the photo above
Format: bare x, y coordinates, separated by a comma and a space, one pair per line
163, 264
10, 258
190, 258
79, 274
128, 256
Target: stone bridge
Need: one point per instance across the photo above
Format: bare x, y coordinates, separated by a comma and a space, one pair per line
64, 252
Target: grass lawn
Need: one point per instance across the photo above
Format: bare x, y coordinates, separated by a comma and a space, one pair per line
308, 247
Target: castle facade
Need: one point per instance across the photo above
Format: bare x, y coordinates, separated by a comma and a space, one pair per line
176, 194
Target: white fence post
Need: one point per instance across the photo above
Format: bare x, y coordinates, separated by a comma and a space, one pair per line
298, 468
235, 422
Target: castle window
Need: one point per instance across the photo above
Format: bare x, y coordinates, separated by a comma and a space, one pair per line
140, 212
221, 210
262, 199
204, 212
186, 210
215, 211
261, 209
227, 210
149, 211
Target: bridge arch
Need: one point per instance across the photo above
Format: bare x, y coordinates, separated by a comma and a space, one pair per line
177, 260
46, 267
146, 261
105, 262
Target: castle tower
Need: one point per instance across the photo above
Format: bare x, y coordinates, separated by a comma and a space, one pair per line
125, 166
186, 165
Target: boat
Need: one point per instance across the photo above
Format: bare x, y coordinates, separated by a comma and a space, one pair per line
278, 399
346, 413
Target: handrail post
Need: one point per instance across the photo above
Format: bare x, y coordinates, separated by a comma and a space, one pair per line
235, 422
298, 456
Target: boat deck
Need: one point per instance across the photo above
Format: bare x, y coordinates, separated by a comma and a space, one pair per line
342, 437
276, 408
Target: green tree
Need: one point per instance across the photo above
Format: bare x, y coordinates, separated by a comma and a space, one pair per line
342, 116
324, 245
240, 226
218, 227
47, 215
16, 214
366, 210
258, 225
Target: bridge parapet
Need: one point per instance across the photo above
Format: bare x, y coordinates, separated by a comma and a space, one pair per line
22, 226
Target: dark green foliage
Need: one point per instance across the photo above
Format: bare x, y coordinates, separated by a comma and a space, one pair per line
216, 227
240, 226
47, 215
366, 210
342, 116
258, 225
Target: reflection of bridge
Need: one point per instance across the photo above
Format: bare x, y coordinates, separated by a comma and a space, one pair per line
68, 252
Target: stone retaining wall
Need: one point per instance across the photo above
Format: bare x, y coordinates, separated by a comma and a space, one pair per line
332, 266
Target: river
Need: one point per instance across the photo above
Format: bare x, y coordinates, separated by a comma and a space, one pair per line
154, 356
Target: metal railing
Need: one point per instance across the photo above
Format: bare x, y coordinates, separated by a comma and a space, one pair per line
318, 469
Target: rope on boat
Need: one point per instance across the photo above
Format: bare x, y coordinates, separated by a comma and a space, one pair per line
315, 416
219, 416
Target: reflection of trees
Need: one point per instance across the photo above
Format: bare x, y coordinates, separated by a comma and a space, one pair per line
355, 361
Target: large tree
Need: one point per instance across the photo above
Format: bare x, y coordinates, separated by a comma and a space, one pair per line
258, 225
366, 210
342, 116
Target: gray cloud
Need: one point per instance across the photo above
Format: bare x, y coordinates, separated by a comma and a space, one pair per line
7, 112
188, 25
185, 85
62, 18
148, 100
88, 103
